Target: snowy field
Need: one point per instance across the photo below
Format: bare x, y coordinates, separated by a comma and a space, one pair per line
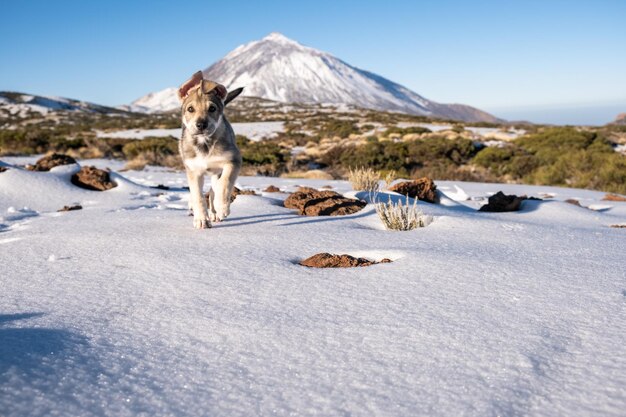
484, 132
122, 308
255, 131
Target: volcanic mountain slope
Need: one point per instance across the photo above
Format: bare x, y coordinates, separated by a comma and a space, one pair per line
280, 69
21, 105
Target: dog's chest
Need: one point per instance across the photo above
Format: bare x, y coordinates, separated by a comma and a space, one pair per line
205, 163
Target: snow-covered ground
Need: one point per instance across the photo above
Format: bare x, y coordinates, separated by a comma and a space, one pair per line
254, 131
122, 308
484, 132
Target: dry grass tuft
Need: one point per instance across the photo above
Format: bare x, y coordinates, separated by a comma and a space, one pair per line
389, 178
402, 216
365, 179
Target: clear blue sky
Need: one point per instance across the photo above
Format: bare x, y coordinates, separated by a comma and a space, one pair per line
555, 61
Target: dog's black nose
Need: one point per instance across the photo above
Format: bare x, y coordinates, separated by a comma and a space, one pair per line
202, 124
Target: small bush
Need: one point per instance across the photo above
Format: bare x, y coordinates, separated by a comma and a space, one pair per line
407, 130
402, 216
152, 151
364, 179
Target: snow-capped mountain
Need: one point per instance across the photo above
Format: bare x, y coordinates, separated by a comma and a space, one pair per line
21, 105
278, 68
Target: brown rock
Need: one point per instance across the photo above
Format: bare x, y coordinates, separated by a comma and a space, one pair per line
3, 168
298, 199
423, 189
328, 260
71, 208
311, 202
333, 206
50, 161
619, 226
614, 197
92, 178
237, 191
500, 202
272, 189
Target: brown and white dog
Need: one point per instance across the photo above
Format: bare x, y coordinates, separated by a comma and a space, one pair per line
208, 145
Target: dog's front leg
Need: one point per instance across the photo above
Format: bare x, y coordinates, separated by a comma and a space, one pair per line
198, 204
224, 189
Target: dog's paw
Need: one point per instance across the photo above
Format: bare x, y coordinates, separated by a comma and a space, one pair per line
200, 223
221, 212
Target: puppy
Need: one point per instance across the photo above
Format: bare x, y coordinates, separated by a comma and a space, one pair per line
208, 145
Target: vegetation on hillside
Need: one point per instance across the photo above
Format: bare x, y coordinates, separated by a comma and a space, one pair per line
339, 142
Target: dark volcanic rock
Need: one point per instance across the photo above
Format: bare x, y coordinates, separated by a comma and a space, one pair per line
573, 202
311, 202
71, 208
328, 260
500, 202
423, 189
50, 161
92, 178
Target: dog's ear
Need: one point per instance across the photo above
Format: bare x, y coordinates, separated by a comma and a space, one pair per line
195, 79
233, 95
208, 86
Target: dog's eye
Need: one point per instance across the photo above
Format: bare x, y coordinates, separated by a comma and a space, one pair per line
212, 108
190, 109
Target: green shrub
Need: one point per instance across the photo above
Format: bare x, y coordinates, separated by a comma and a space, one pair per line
152, 150
264, 153
561, 156
340, 128
510, 160
406, 130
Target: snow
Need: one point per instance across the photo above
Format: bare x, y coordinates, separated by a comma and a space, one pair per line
484, 132
254, 131
123, 308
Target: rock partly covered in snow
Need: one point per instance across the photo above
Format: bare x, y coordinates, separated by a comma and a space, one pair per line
423, 189
272, 189
50, 161
614, 197
327, 260
92, 178
501, 202
71, 208
311, 202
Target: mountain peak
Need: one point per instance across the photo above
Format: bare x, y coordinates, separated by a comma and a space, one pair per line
278, 37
